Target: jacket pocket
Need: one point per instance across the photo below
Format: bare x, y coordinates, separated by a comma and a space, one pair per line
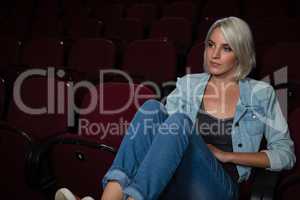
254, 120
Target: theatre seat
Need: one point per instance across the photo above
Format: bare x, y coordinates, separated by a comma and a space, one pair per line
89, 56
43, 53
145, 12
195, 58
177, 30
9, 51
15, 147
151, 60
289, 185
182, 9
39, 109
79, 161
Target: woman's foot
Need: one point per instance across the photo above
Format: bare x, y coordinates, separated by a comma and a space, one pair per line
66, 194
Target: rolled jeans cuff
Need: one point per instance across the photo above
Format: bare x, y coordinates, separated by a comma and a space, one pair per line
132, 191
116, 175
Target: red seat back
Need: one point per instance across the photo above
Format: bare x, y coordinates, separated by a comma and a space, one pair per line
195, 58
9, 50
145, 12
43, 53
153, 60
175, 29
117, 103
39, 93
92, 55
186, 10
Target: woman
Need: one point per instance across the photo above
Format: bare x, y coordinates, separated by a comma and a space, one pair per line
206, 139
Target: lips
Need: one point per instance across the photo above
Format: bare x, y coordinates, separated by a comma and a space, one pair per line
214, 64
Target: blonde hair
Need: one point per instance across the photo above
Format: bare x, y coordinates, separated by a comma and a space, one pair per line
238, 35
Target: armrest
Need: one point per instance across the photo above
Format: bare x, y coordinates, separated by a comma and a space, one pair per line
289, 181
264, 185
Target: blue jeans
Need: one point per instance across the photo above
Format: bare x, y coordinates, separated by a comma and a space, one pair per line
163, 157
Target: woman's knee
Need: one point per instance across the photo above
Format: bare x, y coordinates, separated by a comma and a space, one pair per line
153, 105
180, 122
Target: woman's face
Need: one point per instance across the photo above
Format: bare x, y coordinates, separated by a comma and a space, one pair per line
221, 61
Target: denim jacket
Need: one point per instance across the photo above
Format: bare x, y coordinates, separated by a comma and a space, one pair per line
257, 113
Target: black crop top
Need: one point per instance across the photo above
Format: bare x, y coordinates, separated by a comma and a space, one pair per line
217, 132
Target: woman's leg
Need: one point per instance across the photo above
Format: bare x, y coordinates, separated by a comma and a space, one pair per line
135, 145
144, 165
162, 159
200, 176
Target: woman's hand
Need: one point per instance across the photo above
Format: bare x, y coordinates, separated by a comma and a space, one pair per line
252, 159
222, 156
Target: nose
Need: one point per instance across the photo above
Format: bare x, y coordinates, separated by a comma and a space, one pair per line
216, 53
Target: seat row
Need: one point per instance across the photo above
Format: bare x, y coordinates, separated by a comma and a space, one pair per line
141, 57
209, 8
41, 153
47, 19
38, 147
88, 56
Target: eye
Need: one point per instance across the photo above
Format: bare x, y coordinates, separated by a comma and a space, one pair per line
210, 44
227, 49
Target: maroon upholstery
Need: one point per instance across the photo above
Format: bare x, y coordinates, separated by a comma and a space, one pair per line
43, 53
126, 30
47, 21
279, 56
9, 49
153, 60
19, 22
73, 6
223, 9
175, 29
92, 55
204, 27
263, 9
47, 26
89, 164
159, 3
24, 8
145, 12
267, 31
108, 13
293, 122
83, 27
36, 93
14, 147
195, 58
186, 10
47, 8
116, 105
2, 97
17, 26
88, 160
289, 185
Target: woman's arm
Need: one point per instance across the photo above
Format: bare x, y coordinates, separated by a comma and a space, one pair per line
257, 159
279, 153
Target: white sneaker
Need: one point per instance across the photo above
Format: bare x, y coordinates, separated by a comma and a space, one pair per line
87, 198
65, 194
